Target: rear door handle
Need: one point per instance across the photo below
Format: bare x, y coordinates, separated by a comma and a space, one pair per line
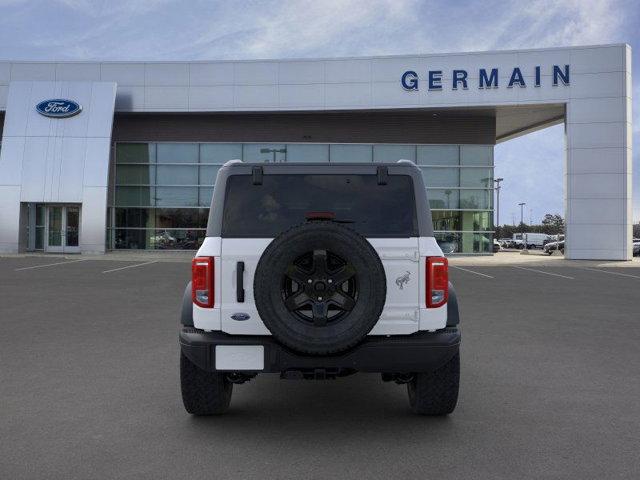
240, 282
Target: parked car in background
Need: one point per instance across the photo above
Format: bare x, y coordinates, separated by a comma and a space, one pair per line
554, 238
636, 247
553, 246
448, 244
496, 246
517, 243
506, 242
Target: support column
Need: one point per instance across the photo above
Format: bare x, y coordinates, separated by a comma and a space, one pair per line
598, 208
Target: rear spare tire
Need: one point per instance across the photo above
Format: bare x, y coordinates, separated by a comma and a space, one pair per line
319, 288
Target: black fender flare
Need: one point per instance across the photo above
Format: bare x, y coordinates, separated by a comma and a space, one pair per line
186, 311
453, 314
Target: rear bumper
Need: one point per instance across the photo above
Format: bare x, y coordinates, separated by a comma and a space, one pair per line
419, 352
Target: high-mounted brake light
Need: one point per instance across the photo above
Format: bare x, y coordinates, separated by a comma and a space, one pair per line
437, 281
202, 281
319, 215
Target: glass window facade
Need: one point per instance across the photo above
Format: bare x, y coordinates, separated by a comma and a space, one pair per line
162, 191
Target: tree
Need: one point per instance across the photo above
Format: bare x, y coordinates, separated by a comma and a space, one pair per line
552, 224
553, 220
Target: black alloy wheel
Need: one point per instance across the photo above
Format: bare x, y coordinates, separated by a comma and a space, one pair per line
320, 287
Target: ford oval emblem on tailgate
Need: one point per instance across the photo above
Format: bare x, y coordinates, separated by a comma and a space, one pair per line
241, 317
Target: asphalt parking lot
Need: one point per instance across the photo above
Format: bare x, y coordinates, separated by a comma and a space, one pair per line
89, 382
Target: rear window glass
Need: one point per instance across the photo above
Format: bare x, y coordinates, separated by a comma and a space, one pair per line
282, 201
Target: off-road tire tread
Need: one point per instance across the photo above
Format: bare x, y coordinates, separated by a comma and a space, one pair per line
436, 393
203, 393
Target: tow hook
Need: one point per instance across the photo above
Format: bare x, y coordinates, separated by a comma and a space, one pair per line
238, 378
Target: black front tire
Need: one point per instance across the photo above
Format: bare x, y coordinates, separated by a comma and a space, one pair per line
203, 393
436, 393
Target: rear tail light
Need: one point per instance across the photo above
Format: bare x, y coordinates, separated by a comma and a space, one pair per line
437, 281
202, 281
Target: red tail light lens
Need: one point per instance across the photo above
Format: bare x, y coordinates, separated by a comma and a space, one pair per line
437, 281
202, 281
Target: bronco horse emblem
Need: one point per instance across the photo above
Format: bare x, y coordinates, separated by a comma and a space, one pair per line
403, 279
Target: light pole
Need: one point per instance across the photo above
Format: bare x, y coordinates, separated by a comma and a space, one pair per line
524, 240
497, 181
275, 151
522, 212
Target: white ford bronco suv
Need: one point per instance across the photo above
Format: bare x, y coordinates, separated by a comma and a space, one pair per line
318, 271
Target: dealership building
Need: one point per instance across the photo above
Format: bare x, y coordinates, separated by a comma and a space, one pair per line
99, 156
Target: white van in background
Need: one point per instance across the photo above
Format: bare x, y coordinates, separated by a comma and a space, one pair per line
531, 240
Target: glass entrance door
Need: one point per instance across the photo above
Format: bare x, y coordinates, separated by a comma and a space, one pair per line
62, 229
54, 230
72, 229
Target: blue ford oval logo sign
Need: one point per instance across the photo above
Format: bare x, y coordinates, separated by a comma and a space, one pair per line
240, 317
58, 108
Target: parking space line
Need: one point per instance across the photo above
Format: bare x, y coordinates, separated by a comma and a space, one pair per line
544, 273
610, 273
130, 266
471, 271
49, 265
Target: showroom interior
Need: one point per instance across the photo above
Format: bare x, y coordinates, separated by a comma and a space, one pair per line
162, 191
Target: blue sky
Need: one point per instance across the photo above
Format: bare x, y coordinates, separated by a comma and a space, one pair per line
244, 29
